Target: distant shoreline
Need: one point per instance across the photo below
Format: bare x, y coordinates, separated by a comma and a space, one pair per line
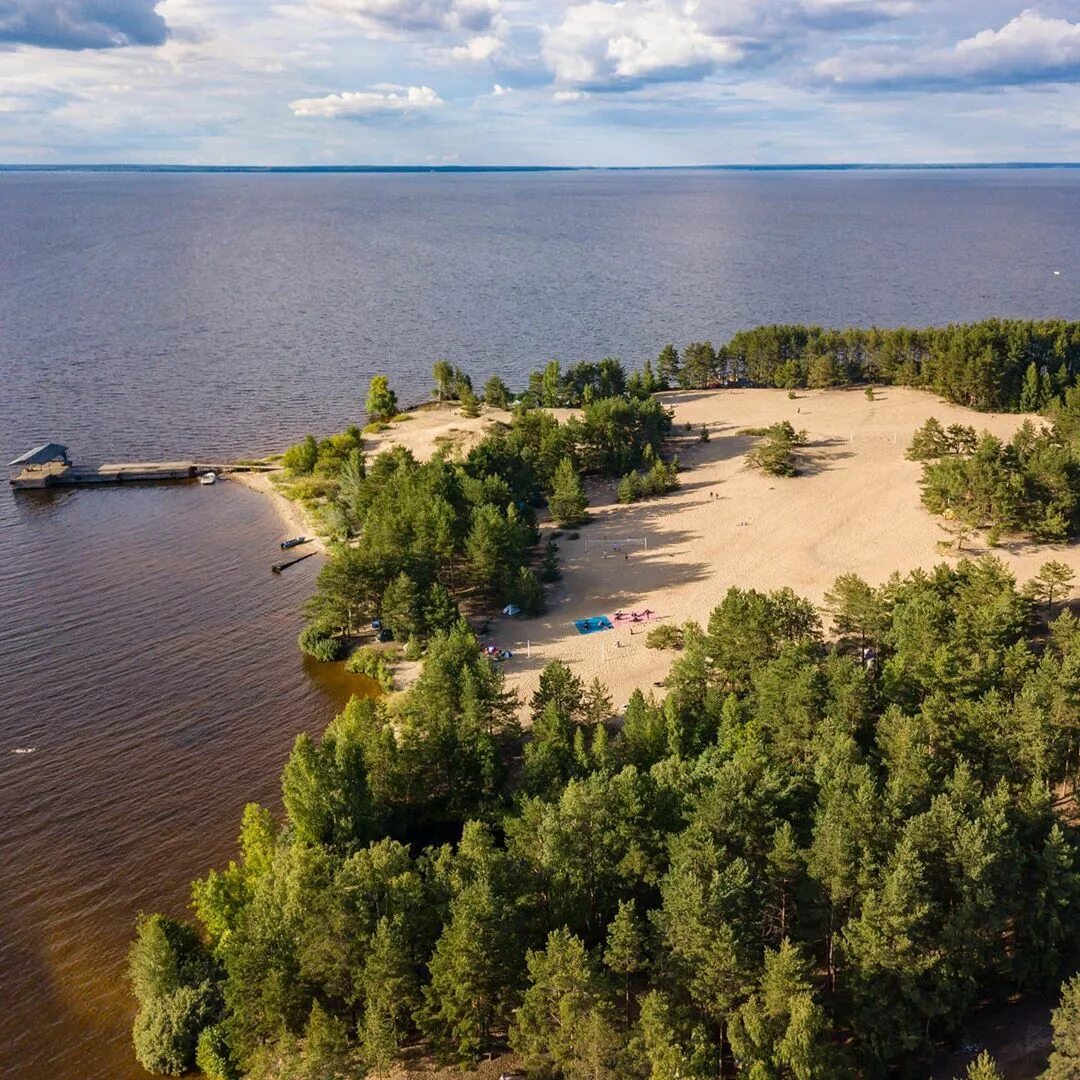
121, 167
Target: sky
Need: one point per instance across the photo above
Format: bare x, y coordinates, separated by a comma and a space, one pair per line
559, 82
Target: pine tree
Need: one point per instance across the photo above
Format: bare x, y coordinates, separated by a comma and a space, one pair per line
1053, 579
629, 489
440, 612
496, 393
487, 550
667, 366
471, 975
550, 571
1064, 1061
781, 1027
596, 706
856, 610
567, 501
624, 953
390, 992
326, 1045
549, 754
401, 609
928, 443
381, 400
699, 366
985, 1068
527, 592
551, 386
470, 404
443, 374
562, 1012
1031, 390
559, 685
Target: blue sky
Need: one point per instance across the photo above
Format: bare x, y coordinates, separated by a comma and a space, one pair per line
594, 82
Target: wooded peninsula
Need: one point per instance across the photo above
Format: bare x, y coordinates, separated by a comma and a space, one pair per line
839, 829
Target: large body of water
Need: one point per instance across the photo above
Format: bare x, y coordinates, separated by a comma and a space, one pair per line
148, 655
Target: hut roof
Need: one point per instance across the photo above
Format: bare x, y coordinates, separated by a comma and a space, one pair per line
42, 455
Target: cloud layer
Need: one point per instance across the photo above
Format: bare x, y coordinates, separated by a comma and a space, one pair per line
1031, 48
81, 24
594, 81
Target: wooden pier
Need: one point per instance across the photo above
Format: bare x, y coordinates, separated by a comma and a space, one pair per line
48, 466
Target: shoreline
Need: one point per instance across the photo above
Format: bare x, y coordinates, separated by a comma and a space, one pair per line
292, 514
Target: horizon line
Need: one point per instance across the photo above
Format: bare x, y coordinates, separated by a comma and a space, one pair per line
177, 167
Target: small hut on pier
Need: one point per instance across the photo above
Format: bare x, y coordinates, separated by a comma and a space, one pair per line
34, 467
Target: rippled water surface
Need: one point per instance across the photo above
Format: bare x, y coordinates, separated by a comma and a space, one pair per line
147, 654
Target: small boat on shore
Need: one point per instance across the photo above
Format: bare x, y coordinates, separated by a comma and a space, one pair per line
208, 478
296, 541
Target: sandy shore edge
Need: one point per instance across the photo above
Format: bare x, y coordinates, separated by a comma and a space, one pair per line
293, 515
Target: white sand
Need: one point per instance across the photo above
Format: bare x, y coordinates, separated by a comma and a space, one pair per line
430, 427
854, 507
294, 517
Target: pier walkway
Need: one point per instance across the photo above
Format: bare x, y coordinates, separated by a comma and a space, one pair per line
48, 466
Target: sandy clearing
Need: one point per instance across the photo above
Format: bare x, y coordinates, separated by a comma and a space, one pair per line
855, 507
432, 426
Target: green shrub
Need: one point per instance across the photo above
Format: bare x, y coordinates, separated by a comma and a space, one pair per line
776, 455
373, 663
528, 593
668, 636
212, 1055
629, 488
167, 1029
311, 488
300, 459
496, 394
321, 643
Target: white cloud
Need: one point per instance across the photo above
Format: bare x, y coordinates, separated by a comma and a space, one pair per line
565, 96
477, 49
633, 41
500, 91
612, 44
1030, 48
367, 103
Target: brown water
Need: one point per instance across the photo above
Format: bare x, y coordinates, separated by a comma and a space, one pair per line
150, 661
146, 652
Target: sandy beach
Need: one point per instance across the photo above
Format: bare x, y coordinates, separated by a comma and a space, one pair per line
294, 517
854, 507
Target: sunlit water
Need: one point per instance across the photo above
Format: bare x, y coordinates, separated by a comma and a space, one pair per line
148, 655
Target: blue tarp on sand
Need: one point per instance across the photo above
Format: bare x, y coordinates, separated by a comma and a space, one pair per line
590, 626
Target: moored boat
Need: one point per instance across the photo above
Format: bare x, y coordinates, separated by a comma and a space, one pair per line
208, 478
296, 541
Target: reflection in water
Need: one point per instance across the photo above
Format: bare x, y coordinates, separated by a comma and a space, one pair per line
150, 659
